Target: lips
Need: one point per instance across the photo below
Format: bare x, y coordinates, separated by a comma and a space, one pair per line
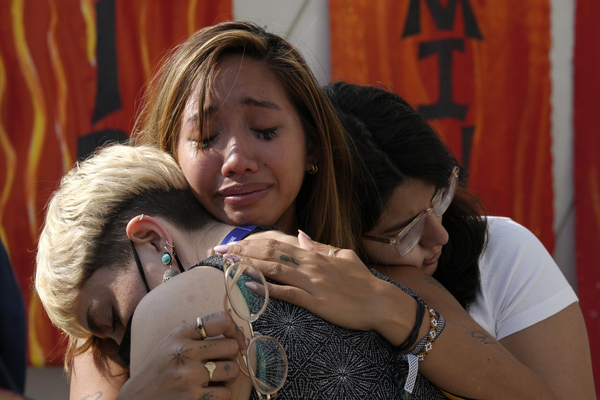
433, 259
244, 194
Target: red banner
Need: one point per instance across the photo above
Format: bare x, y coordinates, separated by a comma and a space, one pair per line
479, 71
70, 73
587, 169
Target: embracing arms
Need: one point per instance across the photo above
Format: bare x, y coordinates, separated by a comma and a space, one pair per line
341, 290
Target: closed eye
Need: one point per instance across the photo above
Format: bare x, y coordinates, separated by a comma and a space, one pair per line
266, 134
115, 320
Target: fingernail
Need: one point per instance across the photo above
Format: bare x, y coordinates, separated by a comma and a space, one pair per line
232, 257
252, 285
221, 249
304, 234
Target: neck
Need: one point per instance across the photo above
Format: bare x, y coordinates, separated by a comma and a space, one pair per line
199, 244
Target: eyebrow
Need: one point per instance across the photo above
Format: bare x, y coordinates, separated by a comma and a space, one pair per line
399, 226
248, 101
92, 325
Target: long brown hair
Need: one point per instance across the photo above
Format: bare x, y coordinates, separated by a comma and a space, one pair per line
323, 204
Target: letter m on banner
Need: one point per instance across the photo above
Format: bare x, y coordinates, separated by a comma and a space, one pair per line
478, 70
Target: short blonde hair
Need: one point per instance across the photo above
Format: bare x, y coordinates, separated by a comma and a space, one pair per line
86, 219
324, 202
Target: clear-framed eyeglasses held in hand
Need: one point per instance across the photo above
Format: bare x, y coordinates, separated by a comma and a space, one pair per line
411, 234
265, 360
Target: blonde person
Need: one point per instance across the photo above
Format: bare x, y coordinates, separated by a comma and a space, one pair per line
123, 220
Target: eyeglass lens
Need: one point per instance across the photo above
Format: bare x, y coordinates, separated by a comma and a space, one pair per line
248, 297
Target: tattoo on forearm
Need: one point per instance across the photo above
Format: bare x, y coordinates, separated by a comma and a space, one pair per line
180, 356
283, 257
480, 335
206, 396
94, 396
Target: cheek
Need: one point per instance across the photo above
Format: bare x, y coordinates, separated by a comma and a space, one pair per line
385, 254
200, 170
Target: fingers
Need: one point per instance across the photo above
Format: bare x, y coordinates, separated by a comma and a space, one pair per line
222, 371
214, 325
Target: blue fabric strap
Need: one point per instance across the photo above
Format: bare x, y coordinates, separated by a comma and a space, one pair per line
241, 232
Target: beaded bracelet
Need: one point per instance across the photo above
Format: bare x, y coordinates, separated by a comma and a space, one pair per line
436, 326
414, 333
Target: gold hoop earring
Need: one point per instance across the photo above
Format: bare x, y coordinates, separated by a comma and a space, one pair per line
313, 168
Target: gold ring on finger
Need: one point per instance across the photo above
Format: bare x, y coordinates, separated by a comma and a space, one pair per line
333, 250
210, 366
200, 328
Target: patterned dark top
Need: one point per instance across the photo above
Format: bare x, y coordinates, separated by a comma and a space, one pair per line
330, 362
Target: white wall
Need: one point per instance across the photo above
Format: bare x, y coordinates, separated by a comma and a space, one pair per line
306, 23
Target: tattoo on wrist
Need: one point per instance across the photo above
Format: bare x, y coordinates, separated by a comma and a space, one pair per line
283, 257
179, 355
94, 396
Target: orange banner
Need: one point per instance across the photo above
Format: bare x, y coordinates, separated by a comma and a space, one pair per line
587, 170
70, 74
479, 71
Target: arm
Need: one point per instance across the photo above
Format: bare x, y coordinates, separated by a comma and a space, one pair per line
535, 311
344, 292
154, 374
88, 382
568, 367
199, 292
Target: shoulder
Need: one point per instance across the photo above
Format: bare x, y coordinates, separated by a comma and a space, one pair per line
512, 244
521, 284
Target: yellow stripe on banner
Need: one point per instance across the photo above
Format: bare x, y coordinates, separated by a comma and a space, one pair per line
37, 139
89, 16
144, 41
10, 159
192, 16
60, 124
38, 131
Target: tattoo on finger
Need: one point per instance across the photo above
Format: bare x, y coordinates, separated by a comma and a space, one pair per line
283, 257
179, 355
206, 396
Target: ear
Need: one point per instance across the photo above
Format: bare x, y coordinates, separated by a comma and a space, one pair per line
143, 229
313, 156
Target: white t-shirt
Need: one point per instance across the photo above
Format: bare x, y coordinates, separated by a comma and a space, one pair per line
521, 284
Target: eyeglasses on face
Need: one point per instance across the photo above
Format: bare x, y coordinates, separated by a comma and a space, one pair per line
408, 237
265, 360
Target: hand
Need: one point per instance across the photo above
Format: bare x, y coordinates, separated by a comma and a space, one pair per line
338, 288
176, 366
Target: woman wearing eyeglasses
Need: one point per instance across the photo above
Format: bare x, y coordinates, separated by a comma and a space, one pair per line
415, 212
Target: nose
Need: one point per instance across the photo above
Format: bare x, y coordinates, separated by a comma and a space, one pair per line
434, 233
239, 157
